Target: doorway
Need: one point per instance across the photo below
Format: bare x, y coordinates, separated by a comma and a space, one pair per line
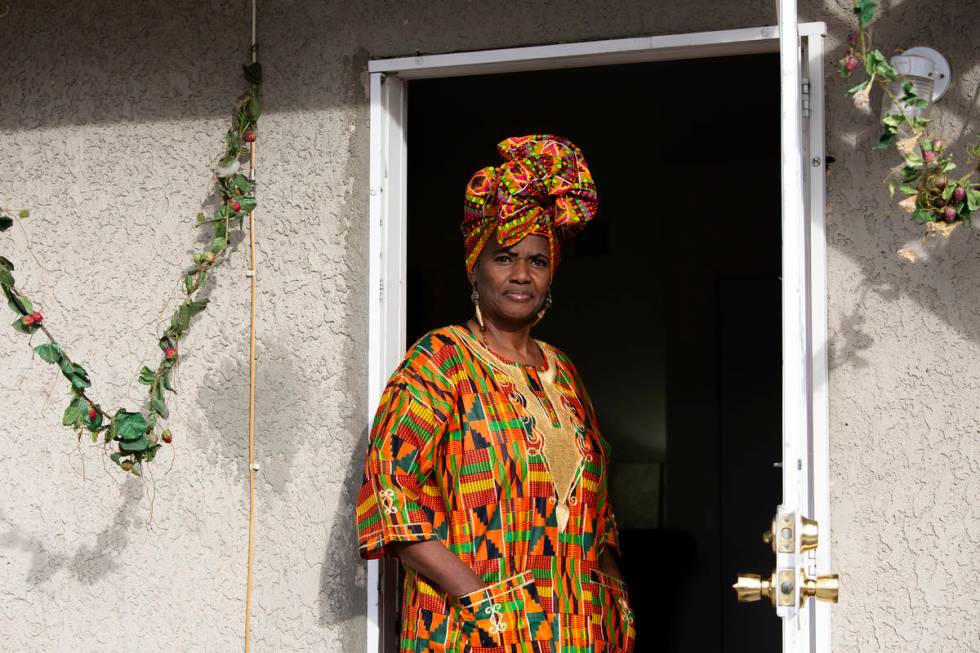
668, 303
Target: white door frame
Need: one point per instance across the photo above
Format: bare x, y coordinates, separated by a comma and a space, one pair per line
805, 239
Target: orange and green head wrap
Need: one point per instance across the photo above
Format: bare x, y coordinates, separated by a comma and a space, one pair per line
543, 186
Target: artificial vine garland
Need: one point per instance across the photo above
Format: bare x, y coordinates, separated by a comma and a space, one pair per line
934, 198
135, 433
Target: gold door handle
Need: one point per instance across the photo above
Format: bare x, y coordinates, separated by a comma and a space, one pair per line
752, 587
822, 588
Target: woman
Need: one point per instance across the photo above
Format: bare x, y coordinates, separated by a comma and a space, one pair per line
486, 473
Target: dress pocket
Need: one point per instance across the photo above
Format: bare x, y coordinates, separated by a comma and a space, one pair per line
614, 622
507, 612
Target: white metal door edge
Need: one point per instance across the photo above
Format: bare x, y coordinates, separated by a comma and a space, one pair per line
815, 163
388, 219
386, 276
590, 53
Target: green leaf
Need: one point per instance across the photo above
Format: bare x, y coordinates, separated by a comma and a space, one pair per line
865, 10
859, 87
218, 244
116, 458
183, 317
28, 307
6, 222
908, 189
892, 119
165, 379
242, 183
6, 279
129, 426
146, 375
71, 415
5, 263
886, 140
973, 199
196, 306
253, 73
157, 403
23, 328
919, 123
254, 111
151, 452
248, 204
50, 352
948, 165
134, 446
921, 215
79, 377
189, 283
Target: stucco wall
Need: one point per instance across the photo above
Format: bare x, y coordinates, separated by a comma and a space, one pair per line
110, 113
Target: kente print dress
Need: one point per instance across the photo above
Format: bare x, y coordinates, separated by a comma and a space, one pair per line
504, 464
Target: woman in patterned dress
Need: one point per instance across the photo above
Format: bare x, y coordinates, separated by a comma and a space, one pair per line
486, 473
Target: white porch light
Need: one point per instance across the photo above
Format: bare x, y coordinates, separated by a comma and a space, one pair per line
929, 73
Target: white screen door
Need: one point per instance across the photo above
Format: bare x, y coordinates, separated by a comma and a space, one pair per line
804, 461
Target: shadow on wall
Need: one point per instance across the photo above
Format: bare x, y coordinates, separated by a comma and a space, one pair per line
88, 564
342, 581
280, 397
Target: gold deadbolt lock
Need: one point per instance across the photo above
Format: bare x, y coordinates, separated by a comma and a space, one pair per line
780, 587
809, 535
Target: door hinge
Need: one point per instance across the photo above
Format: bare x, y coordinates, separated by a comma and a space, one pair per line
805, 104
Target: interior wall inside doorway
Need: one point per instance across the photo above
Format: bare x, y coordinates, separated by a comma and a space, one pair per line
685, 157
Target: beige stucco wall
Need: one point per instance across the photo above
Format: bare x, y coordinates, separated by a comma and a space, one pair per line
109, 115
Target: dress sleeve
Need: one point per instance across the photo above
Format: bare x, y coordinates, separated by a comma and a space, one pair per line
607, 532
399, 500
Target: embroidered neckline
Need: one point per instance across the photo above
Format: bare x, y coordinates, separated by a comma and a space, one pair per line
548, 364
558, 445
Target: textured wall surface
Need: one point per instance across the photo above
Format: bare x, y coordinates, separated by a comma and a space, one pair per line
110, 113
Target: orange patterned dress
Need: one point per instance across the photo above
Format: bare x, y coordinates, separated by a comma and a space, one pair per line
504, 464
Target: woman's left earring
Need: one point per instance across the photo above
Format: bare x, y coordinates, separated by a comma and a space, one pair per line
475, 298
544, 309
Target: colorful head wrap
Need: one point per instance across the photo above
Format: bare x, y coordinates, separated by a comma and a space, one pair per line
543, 186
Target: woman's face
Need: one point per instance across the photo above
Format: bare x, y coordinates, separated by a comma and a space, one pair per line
513, 281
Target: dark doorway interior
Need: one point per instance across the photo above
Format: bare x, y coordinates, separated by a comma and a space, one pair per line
668, 304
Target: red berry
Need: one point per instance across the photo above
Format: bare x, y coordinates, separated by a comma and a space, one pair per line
37, 317
235, 206
170, 353
853, 38
127, 465
850, 63
941, 184
211, 257
168, 437
27, 320
92, 413
939, 201
249, 136
959, 194
929, 156
949, 214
